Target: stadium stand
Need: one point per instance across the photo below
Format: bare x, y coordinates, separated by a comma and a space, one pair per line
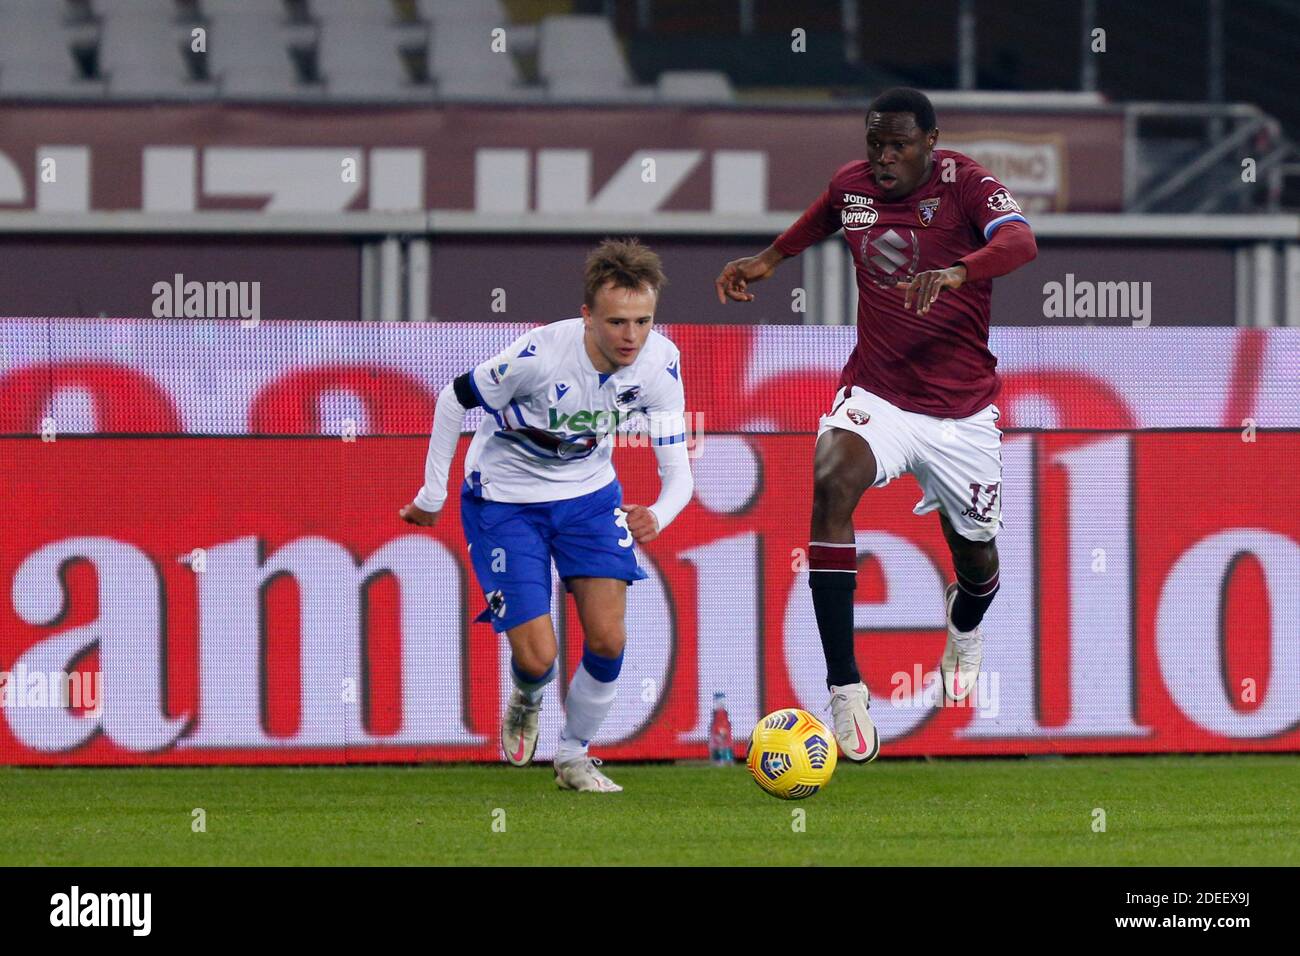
141, 48
256, 50
695, 86
462, 63
1191, 119
361, 50
579, 58
40, 47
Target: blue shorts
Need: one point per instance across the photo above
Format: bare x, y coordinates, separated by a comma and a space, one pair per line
512, 545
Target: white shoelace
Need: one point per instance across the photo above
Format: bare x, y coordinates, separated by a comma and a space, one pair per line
970, 646
844, 719
517, 714
515, 719
591, 765
591, 762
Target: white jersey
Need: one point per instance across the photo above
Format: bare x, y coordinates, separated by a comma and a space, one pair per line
548, 432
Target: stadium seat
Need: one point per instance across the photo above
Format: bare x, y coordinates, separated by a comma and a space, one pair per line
578, 58
463, 64
141, 48
573, 46
587, 89
359, 50
36, 50
464, 11
360, 12
250, 49
695, 86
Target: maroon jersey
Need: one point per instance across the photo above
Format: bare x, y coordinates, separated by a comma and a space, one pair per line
939, 363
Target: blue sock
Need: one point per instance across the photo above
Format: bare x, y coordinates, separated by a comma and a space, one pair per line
531, 687
604, 669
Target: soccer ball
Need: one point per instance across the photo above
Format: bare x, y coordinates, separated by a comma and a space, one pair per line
791, 754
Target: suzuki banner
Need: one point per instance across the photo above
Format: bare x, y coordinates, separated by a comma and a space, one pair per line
506, 159
204, 562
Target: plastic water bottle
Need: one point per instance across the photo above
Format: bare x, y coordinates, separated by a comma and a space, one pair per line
720, 733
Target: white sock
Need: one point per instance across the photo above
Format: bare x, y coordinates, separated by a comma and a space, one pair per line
585, 709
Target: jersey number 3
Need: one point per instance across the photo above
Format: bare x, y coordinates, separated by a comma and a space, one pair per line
620, 519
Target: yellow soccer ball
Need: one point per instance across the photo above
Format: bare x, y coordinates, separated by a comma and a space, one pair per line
791, 754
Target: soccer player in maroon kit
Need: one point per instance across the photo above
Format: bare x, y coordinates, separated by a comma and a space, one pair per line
928, 229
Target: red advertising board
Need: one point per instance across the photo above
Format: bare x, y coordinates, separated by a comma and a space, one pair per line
257, 600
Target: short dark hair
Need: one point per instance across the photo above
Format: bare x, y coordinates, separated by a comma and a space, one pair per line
904, 99
627, 264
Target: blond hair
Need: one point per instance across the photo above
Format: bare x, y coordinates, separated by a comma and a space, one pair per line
624, 262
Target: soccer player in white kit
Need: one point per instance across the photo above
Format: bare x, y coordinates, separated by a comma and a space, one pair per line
540, 487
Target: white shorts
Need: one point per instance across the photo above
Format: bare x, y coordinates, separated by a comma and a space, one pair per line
956, 461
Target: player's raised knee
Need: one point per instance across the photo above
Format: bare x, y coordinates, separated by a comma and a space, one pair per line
607, 641
975, 558
844, 459
534, 664
836, 491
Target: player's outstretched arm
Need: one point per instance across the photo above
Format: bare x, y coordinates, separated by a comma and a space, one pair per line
490, 385
448, 416
1011, 246
667, 427
818, 221
677, 484
736, 275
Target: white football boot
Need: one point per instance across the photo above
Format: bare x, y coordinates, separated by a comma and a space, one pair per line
960, 664
582, 774
519, 729
854, 730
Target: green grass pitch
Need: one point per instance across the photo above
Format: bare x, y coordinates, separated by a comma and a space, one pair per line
1228, 810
